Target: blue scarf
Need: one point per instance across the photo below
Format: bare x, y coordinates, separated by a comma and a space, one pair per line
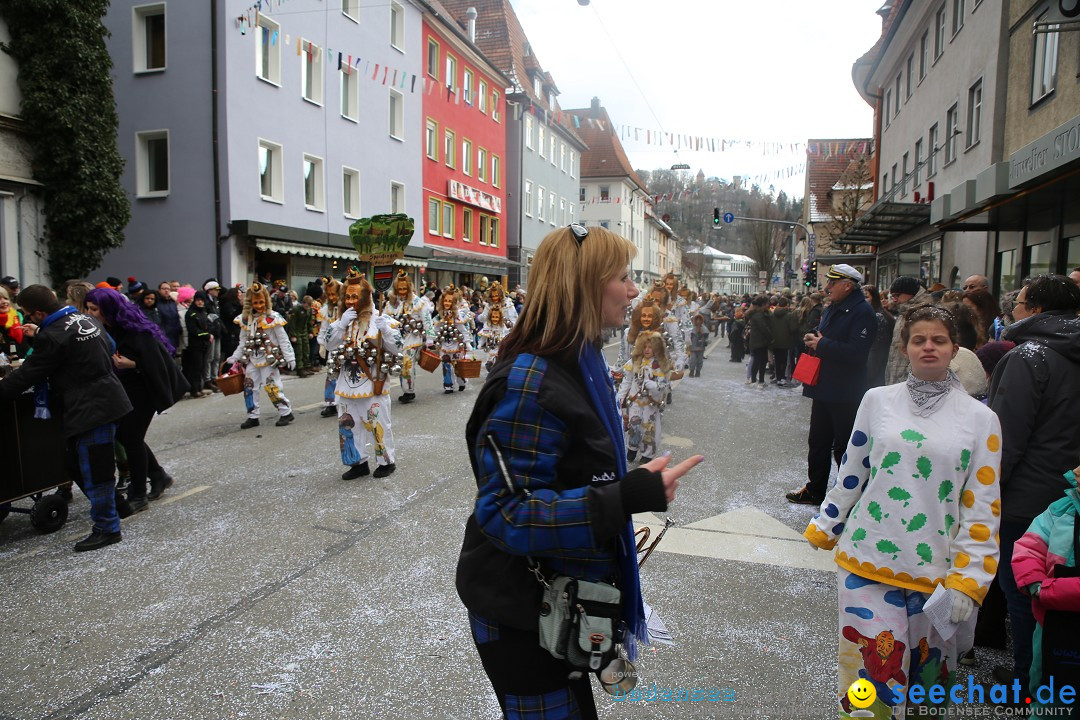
41, 390
601, 390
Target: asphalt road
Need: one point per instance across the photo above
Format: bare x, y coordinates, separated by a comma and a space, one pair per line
263, 586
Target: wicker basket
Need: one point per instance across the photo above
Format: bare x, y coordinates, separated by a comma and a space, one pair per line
429, 361
229, 384
467, 368
676, 374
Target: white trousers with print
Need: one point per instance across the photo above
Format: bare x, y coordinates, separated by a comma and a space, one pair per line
362, 421
269, 377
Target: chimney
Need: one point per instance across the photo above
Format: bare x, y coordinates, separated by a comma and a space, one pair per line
594, 107
470, 17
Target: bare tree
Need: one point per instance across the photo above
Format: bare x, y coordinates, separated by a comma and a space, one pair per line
852, 194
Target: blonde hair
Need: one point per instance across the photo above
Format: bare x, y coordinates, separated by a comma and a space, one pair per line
4, 293
255, 289
75, 294
659, 349
564, 309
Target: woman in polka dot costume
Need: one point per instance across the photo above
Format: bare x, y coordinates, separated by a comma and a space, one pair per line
916, 505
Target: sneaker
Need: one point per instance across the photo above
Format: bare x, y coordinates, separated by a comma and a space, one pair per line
249, 423
284, 420
96, 540
356, 471
329, 411
121, 484
803, 497
968, 658
384, 470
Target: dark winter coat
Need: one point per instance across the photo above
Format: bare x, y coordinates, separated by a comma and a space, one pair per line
760, 328
1034, 391
848, 329
198, 327
155, 380
879, 351
784, 326
75, 355
170, 318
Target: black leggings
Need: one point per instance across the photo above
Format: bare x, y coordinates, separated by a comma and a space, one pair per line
757, 367
131, 433
518, 667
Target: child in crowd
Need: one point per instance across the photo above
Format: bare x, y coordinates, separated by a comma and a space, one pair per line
301, 328
699, 341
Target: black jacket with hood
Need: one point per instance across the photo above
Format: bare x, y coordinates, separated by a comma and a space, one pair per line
1034, 392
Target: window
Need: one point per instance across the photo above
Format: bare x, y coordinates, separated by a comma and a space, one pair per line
542, 136
311, 58
538, 87
270, 171
314, 195
467, 86
924, 54
397, 197
581, 194
448, 219
466, 224
495, 105
350, 93
397, 26
433, 59
573, 158
451, 72
903, 178
528, 132
431, 139
152, 168
351, 9
450, 148
149, 37
888, 108
892, 180
974, 117
552, 155
918, 162
350, 192
493, 238
466, 156
562, 210
951, 131
605, 193
571, 212
482, 97
268, 51
528, 198
496, 181
540, 204
434, 215
485, 228
1044, 65
562, 156
885, 182
939, 33
910, 75
397, 115
899, 77
931, 151
957, 16
481, 164
551, 206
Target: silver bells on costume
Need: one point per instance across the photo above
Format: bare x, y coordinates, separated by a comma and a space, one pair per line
259, 342
412, 325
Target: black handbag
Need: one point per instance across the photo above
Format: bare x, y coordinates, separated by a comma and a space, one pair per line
1061, 631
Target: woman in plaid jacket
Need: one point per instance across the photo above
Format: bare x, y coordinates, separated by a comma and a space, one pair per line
565, 499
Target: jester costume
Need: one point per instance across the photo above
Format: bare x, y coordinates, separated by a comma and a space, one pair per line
413, 315
263, 347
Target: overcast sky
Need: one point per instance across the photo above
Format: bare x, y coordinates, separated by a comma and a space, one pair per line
772, 70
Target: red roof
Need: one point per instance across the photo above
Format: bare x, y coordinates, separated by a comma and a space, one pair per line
826, 161
605, 156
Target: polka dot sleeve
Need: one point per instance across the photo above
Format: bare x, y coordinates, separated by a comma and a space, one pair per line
975, 548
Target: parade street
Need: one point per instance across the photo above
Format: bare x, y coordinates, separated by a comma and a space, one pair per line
263, 586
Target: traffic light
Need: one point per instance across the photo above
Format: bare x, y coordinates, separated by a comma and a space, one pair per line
811, 274
716, 216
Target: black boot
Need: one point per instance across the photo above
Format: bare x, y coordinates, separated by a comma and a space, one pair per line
356, 471
96, 540
329, 411
249, 423
384, 470
159, 480
284, 420
407, 397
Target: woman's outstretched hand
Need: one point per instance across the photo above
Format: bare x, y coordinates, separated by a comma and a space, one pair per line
671, 475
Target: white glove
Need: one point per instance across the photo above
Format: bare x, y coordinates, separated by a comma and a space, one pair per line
346, 318
292, 365
381, 322
962, 605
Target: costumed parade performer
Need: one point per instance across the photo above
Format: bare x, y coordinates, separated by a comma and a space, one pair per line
641, 395
414, 321
495, 329
496, 297
916, 507
362, 347
454, 338
263, 347
328, 314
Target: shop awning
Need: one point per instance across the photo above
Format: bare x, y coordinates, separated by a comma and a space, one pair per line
467, 260
885, 221
291, 248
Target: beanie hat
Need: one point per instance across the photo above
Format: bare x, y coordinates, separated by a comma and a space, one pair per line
992, 352
135, 287
905, 285
114, 282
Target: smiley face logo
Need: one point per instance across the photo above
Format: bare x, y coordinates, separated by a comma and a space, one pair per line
862, 693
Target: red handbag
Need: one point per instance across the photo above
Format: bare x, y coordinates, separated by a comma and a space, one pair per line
807, 369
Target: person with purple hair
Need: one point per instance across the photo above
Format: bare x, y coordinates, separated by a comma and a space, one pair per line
143, 362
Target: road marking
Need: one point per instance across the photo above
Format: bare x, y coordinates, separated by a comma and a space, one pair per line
187, 493
312, 406
679, 442
745, 534
708, 350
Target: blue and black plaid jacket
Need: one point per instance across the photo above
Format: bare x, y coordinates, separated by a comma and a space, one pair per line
566, 510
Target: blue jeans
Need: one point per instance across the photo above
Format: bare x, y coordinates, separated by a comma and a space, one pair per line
94, 469
1021, 618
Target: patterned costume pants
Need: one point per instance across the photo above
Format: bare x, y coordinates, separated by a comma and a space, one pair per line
270, 378
329, 399
449, 372
644, 432
886, 638
410, 361
362, 421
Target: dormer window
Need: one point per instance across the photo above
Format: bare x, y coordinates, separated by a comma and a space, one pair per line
538, 87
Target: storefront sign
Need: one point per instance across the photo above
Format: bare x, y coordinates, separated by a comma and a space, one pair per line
1050, 152
479, 198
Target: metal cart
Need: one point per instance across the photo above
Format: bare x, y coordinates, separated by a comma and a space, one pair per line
34, 465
